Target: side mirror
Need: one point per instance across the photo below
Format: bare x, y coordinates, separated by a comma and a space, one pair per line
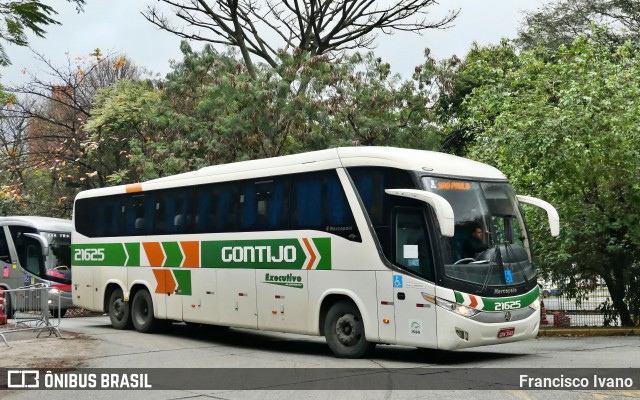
44, 244
443, 209
552, 214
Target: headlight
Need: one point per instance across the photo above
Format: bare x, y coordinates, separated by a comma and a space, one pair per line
535, 305
54, 291
456, 308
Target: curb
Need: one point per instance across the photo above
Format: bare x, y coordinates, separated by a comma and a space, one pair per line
550, 331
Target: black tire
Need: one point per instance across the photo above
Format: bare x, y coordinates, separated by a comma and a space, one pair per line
142, 313
344, 331
119, 311
55, 313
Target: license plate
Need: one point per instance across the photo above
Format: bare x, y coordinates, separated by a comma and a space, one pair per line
507, 332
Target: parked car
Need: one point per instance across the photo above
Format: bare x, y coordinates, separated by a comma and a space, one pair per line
548, 290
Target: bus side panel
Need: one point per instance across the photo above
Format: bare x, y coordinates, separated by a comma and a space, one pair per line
202, 305
102, 276
357, 285
237, 301
83, 287
386, 310
283, 300
415, 317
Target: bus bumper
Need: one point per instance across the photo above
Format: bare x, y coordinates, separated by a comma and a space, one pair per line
458, 332
63, 297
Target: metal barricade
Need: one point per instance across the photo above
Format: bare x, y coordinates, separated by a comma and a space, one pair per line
28, 309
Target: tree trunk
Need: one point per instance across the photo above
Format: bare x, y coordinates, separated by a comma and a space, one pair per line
617, 292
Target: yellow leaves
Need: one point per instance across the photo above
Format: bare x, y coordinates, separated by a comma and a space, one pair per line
92, 174
97, 53
119, 63
11, 99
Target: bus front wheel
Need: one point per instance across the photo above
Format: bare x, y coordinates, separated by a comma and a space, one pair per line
142, 312
119, 311
344, 331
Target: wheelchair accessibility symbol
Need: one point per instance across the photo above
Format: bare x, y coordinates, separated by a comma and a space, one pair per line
397, 281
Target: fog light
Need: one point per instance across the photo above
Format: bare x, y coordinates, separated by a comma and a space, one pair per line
464, 335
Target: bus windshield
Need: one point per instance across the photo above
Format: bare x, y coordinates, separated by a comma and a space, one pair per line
490, 245
58, 261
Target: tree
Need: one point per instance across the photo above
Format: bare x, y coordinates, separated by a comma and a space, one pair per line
562, 21
25, 15
52, 145
210, 110
300, 27
450, 81
372, 107
563, 126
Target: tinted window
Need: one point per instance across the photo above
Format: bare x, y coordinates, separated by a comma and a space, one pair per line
28, 249
216, 208
4, 247
263, 204
318, 202
412, 249
314, 201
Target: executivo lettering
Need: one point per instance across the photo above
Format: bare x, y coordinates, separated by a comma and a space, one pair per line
289, 280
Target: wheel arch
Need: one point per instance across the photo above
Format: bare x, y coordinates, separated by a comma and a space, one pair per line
332, 297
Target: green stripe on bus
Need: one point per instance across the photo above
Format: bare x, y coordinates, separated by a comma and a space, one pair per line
183, 277
133, 249
174, 254
459, 298
324, 248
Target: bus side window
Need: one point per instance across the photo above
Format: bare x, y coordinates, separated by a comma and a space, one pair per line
411, 242
4, 247
263, 204
318, 202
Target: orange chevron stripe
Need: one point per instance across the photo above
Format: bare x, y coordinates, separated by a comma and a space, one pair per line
154, 253
191, 252
310, 249
474, 301
166, 283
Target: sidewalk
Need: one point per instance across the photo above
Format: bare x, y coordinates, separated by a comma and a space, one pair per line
588, 331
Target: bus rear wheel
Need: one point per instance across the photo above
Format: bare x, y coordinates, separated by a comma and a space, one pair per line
119, 310
344, 331
142, 312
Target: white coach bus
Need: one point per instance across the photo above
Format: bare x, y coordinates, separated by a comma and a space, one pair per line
363, 245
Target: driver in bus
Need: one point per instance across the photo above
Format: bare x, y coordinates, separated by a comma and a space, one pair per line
475, 243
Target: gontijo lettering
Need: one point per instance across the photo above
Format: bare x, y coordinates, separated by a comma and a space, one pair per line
259, 254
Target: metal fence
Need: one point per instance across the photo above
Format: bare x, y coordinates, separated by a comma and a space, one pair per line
27, 309
591, 306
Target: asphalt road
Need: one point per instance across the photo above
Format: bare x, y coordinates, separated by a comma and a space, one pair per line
185, 347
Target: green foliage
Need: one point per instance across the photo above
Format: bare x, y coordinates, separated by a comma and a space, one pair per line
21, 16
455, 79
560, 22
211, 110
563, 127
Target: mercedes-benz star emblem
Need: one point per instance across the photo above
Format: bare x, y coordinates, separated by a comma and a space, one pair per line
507, 316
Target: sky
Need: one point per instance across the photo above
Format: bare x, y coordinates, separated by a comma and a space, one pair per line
118, 26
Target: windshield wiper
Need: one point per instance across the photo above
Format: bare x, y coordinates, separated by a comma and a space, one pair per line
496, 252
